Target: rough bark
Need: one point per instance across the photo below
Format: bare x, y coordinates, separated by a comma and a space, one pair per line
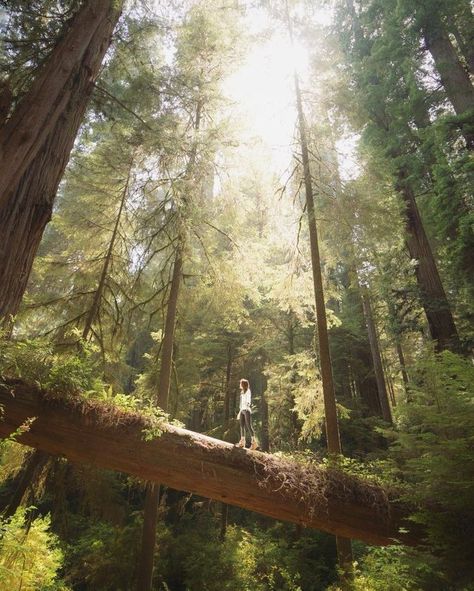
93, 433
41, 107
36, 150
433, 297
376, 359
454, 77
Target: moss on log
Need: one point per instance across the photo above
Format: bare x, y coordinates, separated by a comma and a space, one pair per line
98, 434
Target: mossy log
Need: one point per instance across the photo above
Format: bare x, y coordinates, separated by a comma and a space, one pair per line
100, 435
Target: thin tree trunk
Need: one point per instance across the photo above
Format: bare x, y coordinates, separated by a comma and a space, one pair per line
29, 187
227, 392
150, 517
228, 376
265, 439
401, 359
366, 379
108, 258
433, 297
453, 76
389, 380
224, 521
376, 358
344, 547
152, 497
30, 471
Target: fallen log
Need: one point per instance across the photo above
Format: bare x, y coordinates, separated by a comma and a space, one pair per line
101, 435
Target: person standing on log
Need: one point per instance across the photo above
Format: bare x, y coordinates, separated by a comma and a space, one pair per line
245, 415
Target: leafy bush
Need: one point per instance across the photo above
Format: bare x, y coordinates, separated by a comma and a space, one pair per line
30, 557
434, 449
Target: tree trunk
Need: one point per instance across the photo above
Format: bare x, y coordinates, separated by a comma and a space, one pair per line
401, 359
30, 471
376, 358
366, 379
227, 392
433, 297
453, 76
344, 548
224, 521
105, 268
153, 490
30, 173
96, 433
463, 30
265, 438
150, 517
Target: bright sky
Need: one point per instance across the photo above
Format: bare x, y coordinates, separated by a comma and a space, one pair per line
262, 89
262, 93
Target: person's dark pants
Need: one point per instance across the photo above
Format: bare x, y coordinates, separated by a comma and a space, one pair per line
246, 423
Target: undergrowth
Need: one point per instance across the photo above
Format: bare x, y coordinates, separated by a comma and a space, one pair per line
75, 378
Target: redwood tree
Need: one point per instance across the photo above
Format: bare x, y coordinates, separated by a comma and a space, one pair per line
37, 137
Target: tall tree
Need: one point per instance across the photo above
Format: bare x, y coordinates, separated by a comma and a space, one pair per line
37, 137
344, 547
390, 134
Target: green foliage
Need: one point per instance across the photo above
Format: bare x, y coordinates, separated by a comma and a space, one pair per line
262, 563
30, 557
62, 374
102, 556
434, 450
385, 569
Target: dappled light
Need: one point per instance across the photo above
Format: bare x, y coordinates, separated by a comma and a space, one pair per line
236, 295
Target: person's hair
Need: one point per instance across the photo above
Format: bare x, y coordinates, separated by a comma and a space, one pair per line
244, 384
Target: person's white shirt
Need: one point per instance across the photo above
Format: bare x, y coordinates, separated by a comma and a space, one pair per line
245, 400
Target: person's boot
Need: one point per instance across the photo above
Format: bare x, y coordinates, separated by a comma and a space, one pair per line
254, 444
241, 442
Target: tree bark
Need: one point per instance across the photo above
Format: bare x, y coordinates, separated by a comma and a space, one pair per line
265, 438
37, 139
227, 392
376, 358
224, 521
30, 471
433, 297
91, 432
401, 359
147, 554
453, 76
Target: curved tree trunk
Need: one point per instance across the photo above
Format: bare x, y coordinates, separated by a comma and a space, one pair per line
28, 185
